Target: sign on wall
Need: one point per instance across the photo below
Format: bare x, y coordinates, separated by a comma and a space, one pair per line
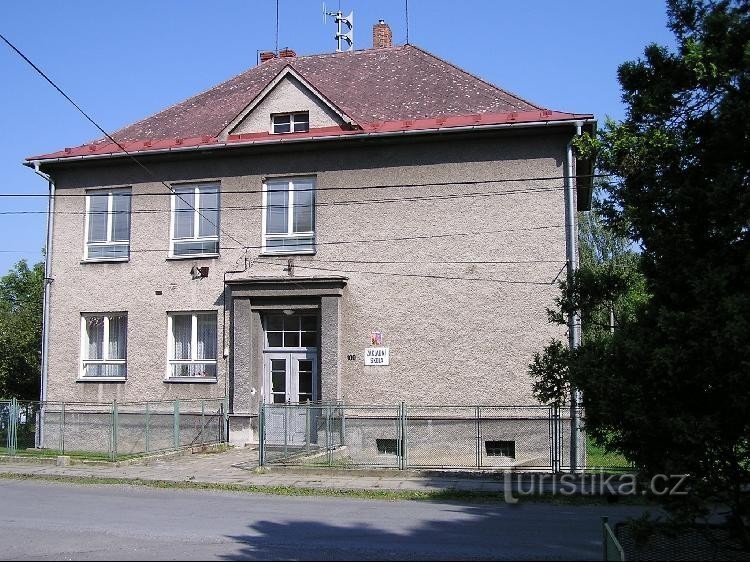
377, 356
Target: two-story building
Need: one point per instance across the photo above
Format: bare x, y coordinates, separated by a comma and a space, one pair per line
260, 239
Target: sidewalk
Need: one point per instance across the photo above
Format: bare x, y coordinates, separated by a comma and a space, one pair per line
237, 466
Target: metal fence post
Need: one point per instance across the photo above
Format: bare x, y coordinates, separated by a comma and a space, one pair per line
62, 428
329, 440
13, 427
402, 441
479, 437
262, 435
308, 430
286, 429
115, 422
203, 422
176, 427
148, 428
225, 420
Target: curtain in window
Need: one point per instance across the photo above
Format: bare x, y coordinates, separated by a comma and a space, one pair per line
303, 206
208, 219
206, 336
277, 208
184, 202
98, 218
95, 334
181, 331
118, 333
121, 217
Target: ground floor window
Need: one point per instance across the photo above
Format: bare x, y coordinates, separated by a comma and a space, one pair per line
104, 342
192, 345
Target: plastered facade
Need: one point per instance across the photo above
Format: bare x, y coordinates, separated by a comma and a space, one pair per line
458, 332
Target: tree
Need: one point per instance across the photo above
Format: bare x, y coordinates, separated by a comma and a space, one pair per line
21, 295
670, 388
605, 291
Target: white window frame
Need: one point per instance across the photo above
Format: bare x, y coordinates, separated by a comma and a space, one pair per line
290, 234
109, 242
196, 220
105, 348
292, 121
193, 348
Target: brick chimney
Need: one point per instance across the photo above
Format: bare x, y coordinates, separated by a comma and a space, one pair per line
381, 35
287, 53
267, 55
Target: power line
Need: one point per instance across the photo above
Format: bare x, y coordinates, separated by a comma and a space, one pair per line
379, 240
420, 275
426, 262
339, 188
106, 134
411, 198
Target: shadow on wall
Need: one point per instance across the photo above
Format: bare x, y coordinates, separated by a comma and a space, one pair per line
455, 532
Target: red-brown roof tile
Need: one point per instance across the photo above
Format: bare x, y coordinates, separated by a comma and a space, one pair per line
396, 88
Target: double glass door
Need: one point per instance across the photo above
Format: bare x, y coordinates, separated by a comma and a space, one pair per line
291, 377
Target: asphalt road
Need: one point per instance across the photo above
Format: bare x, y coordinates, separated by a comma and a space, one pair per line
55, 521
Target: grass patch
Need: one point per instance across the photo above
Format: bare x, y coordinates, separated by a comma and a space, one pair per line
385, 495
78, 455
598, 458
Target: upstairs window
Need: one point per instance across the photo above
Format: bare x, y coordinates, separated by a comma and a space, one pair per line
195, 220
289, 216
290, 122
104, 343
107, 225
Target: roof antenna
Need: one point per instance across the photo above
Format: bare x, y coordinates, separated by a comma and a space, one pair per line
406, 3
277, 28
339, 18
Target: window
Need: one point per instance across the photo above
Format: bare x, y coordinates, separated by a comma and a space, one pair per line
500, 449
104, 343
290, 122
107, 225
195, 220
289, 216
388, 446
192, 345
296, 331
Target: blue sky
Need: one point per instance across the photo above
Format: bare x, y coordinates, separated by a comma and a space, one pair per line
122, 61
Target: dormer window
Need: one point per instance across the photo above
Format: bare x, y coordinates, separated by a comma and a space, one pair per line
290, 122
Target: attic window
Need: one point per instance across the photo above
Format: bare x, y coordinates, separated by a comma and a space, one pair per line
290, 122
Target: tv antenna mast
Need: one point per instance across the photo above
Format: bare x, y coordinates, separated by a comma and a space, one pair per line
341, 20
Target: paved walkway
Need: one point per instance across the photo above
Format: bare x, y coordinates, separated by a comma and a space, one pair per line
237, 466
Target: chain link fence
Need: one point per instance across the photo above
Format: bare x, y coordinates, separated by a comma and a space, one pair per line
523, 438
109, 431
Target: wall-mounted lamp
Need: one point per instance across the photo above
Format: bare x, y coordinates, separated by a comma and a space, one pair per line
288, 312
199, 272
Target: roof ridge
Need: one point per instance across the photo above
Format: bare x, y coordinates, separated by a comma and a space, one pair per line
463, 71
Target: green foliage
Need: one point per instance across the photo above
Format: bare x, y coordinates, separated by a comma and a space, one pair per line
21, 295
550, 373
670, 388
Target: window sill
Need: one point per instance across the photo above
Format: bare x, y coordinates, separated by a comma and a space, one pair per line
193, 257
288, 253
105, 260
102, 379
183, 380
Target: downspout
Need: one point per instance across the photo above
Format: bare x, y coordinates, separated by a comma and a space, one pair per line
225, 349
47, 294
574, 320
